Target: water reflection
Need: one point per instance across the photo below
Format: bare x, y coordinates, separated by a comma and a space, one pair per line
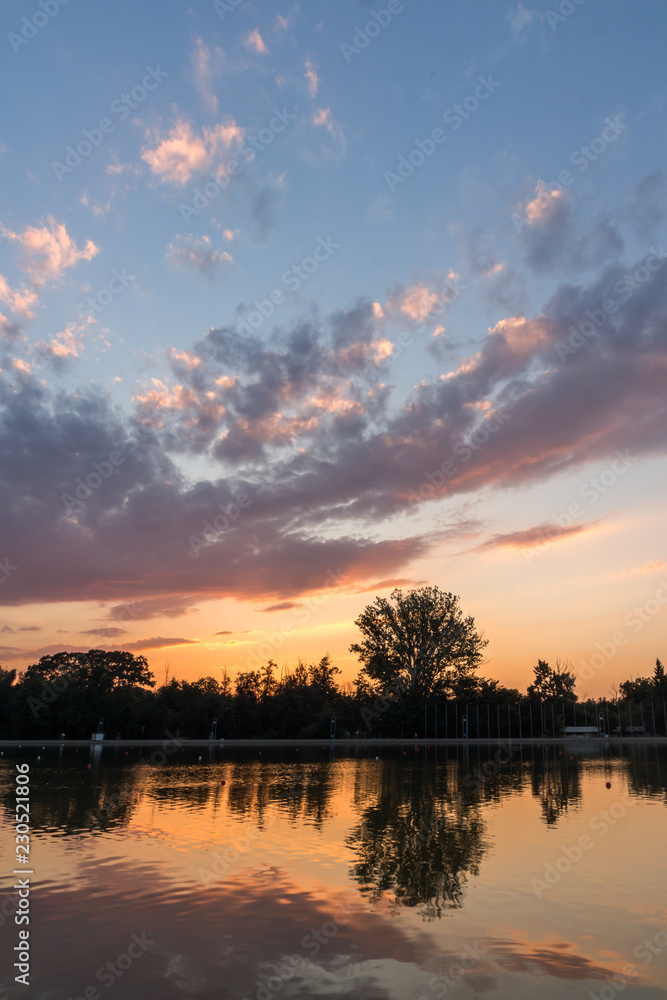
420, 840
345, 866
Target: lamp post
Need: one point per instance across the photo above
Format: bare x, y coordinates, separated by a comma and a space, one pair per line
215, 728
333, 727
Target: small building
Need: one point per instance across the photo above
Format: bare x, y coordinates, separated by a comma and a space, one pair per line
582, 731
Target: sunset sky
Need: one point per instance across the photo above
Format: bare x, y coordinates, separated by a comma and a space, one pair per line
300, 302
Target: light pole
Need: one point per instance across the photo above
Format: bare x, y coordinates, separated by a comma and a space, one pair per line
465, 727
215, 728
333, 727
602, 725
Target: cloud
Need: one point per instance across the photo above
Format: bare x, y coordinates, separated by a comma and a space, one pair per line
548, 236
529, 538
311, 77
207, 66
390, 584
322, 118
283, 606
266, 203
165, 606
158, 643
519, 18
307, 426
183, 152
418, 303
254, 41
66, 344
110, 632
648, 204
46, 252
20, 302
651, 567
199, 253
28, 628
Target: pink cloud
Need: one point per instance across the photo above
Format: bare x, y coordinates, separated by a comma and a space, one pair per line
45, 252
183, 152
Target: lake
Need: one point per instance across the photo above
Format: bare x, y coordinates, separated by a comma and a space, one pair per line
449, 871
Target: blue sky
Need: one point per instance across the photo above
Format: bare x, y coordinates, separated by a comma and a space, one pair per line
423, 307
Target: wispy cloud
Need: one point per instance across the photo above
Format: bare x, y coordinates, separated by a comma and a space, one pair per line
198, 253
254, 41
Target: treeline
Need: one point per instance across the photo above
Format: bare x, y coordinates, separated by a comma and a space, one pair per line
76, 693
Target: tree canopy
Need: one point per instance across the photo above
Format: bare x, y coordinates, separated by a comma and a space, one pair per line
419, 641
552, 683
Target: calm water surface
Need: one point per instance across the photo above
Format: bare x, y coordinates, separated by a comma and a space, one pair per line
434, 873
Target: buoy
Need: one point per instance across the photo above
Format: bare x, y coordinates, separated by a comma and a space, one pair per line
609, 784
223, 782
89, 766
200, 758
377, 758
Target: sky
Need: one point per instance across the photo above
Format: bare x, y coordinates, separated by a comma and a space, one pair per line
302, 302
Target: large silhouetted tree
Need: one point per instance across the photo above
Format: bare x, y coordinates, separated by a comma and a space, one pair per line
418, 641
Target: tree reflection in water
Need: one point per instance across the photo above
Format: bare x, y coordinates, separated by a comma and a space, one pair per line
419, 843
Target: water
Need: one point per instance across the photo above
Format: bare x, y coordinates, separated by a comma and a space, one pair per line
448, 872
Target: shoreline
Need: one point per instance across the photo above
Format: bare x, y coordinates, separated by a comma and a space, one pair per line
430, 741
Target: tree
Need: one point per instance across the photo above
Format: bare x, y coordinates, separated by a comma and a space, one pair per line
418, 641
659, 679
98, 668
322, 677
552, 683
